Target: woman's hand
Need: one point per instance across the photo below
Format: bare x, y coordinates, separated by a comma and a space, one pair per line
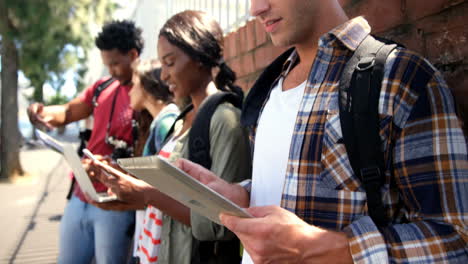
116, 205
130, 191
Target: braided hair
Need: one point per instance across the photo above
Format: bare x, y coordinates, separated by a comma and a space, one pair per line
201, 38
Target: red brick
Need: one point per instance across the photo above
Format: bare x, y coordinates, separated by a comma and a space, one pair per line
247, 64
260, 58
451, 18
235, 65
261, 35
232, 47
446, 47
381, 15
264, 56
251, 35
408, 35
417, 9
458, 82
227, 48
242, 35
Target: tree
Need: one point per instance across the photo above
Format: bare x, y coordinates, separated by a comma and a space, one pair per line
40, 38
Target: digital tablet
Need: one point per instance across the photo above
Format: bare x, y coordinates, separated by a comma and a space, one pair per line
180, 186
69, 152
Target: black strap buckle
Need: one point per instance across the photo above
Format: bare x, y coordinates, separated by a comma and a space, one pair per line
371, 174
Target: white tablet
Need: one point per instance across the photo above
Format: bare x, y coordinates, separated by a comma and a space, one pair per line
69, 152
180, 186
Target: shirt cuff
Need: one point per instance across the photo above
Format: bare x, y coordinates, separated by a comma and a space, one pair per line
366, 243
247, 185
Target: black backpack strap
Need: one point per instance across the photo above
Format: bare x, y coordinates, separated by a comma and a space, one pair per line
101, 88
199, 152
359, 101
199, 138
184, 112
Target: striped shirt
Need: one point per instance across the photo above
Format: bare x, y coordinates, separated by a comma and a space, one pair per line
148, 222
149, 239
426, 178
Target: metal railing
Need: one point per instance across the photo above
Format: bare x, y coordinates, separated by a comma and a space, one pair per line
231, 14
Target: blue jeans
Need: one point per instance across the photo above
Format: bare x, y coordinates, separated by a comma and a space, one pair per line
87, 231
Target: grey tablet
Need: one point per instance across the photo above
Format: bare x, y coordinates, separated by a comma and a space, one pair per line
180, 186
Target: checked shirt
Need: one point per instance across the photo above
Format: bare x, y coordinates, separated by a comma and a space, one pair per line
426, 187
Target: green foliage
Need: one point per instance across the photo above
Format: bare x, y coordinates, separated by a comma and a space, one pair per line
53, 36
57, 99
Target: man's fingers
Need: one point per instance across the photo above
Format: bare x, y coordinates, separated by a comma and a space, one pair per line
262, 211
195, 170
240, 225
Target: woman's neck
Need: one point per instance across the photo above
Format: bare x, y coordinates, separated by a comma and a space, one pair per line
197, 98
154, 107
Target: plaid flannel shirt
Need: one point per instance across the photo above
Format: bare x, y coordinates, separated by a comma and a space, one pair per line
426, 187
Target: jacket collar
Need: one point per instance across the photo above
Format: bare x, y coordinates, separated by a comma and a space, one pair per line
350, 34
260, 90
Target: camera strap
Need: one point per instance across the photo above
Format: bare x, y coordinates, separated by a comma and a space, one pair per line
134, 122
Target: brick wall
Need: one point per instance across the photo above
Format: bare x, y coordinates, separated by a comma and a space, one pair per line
437, 29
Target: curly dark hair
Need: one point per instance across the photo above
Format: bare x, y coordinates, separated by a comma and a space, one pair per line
122, 35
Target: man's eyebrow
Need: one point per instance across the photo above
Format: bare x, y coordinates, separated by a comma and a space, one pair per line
167, 55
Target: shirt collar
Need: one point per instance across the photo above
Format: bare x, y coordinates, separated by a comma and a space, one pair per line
350, 34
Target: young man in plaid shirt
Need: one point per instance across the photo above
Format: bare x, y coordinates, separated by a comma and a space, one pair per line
307, 203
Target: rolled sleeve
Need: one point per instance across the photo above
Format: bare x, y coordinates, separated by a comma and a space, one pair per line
366, 243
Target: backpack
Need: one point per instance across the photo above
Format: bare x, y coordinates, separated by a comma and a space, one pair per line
359, 93
199, 152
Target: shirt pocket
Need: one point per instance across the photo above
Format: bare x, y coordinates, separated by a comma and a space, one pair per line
336, 171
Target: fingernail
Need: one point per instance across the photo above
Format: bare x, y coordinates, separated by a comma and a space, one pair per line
222, 217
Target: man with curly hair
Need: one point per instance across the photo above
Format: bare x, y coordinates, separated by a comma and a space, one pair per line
87, 231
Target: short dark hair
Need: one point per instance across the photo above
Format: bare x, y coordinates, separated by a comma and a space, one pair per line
122, 35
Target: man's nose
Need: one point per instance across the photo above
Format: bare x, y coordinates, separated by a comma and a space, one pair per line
258, 7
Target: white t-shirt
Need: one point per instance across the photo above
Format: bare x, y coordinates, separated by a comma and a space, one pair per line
272, 144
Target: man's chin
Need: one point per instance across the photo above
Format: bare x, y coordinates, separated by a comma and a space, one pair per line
123, 81
279, 41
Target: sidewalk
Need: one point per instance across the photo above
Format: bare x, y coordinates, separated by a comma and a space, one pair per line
31, 209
